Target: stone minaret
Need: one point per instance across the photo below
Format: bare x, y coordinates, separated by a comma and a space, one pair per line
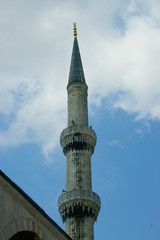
78, 206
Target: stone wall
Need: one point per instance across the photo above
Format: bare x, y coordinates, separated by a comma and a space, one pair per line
18, 214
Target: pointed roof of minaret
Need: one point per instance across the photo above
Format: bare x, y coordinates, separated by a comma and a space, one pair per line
76, 73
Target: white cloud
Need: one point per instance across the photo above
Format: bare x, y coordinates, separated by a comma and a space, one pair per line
127, 66
115, 142
119, 42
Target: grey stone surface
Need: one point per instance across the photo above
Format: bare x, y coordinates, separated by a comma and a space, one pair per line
77, 104
20, 213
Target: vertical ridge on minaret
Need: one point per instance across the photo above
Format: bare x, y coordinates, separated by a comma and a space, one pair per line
79, 205
76, 73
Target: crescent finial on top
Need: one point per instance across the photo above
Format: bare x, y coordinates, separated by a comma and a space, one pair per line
75, 30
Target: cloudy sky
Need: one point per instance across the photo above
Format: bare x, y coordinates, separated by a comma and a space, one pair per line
119, 42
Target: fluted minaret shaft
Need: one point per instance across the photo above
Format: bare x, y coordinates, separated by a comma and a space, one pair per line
78, 206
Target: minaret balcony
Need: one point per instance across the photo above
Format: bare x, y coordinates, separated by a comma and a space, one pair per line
78, 137
79, 203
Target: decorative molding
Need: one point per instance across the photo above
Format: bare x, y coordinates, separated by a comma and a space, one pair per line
21, 224
78, 137
80, 203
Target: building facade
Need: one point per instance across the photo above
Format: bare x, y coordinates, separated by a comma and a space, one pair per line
79, 205
21, 218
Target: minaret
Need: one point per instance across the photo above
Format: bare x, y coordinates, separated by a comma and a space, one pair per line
78, 206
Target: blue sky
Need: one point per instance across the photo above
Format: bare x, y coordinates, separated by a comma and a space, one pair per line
119, 44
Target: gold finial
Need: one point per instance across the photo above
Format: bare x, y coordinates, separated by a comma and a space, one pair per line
75, 30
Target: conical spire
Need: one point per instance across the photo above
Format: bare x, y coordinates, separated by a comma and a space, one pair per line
76, 73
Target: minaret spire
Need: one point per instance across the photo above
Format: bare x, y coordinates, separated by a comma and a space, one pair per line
79, 205
76, 73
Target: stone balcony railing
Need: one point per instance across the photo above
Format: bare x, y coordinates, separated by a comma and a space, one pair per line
78, 128
79, 194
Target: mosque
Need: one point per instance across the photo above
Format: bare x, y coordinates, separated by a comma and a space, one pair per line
20, 217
